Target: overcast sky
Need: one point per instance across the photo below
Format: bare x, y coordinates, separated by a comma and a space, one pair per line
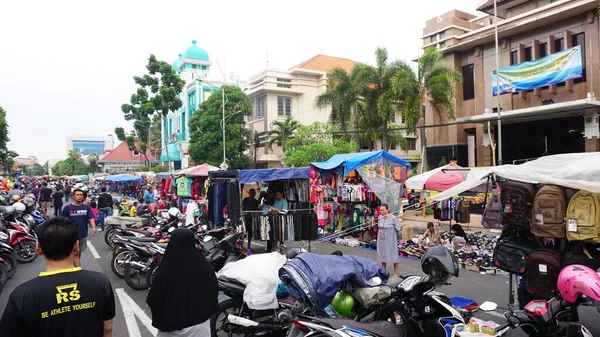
67, 66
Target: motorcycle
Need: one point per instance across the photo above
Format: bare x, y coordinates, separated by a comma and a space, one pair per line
8, 255
140, 262
20, 239
152, 227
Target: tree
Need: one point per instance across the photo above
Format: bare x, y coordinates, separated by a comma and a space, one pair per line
435, 81
136, 141
158, 93
36, 170
154, 139
206, 137
6, 156
315, 142
93, 162
281, 132
73, 157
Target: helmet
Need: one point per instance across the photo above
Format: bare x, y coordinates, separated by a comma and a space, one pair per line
152, 208
576, 280
16, 198
440, 264
9, 210
174, 212
118, 200
19, 207
344, 304
29, 202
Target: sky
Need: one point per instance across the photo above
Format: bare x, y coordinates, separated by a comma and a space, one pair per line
67, 66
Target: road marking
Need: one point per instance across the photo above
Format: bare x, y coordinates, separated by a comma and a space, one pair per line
93, 250
132, 326
133, 310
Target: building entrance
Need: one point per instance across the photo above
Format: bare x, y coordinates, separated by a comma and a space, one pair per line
530, 140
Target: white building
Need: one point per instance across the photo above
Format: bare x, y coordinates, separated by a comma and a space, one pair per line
278, 94
86, 145
193, 66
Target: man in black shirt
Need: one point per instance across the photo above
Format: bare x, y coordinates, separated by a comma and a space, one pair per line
64, 301
45, 199
105, 206
249, 204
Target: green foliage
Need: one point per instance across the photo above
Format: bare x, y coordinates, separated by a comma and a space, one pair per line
154, 141
158, 93
315, 142
6, 156
206, 137
443, 162
93, 162
160, 168
282, 132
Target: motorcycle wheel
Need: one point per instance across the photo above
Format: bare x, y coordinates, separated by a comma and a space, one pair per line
218, 322
117, 268
10, 263
135, 278
108, 236
151, 275
3, 275
25, 251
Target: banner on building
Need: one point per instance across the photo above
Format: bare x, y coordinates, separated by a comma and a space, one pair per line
552, 69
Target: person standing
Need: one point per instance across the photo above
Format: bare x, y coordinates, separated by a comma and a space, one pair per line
64, 300
57, 197
149, 195
67, 191
46, 199
387, 239
81, 214
36, 192
105, 206
280, 205
250, 203
178, 308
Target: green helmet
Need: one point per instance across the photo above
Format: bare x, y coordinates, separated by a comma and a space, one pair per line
344, 304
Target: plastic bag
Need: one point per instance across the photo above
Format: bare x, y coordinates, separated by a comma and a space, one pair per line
260, 275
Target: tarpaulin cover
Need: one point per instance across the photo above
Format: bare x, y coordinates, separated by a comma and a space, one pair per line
124, 178
317, 278
259, 272
378, 174
352, 161
164, 175
262, 175
574, 170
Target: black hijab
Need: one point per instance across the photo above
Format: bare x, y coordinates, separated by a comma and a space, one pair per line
459, 230
185, 290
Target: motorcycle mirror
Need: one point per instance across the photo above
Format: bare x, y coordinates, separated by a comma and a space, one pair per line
204, 227
207, 238
488, 306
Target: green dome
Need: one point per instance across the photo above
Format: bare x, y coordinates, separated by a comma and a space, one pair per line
196, 53
176, 63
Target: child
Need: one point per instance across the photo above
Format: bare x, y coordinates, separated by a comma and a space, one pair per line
133, 209
94, 207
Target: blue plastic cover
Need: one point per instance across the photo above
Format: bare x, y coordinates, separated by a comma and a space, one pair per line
262, 175
352, 161
124, 178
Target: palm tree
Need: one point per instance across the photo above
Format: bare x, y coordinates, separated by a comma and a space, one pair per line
434, 81
73, 156
93, 160
282, 132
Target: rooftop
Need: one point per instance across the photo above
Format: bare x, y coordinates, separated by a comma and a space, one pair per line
326, 63
122, 154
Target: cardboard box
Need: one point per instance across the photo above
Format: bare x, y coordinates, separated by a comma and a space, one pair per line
407, 232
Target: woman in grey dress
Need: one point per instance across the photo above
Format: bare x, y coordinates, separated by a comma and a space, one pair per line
387, 239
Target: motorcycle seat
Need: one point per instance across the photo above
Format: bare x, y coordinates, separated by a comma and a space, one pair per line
232, 284
380, 328
140, 231
216, 230
142, 239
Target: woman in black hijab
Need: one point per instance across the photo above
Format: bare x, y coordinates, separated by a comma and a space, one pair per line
184, 292
457, 230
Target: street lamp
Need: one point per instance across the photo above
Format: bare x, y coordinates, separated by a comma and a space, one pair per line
223, 165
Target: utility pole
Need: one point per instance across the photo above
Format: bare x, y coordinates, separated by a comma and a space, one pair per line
498, 108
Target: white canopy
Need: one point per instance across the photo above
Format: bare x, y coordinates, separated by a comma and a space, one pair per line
417, 182
575, 170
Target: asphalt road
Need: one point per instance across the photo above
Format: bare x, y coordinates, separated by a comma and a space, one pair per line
136, 321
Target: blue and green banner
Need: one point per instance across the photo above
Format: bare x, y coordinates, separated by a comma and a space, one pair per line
552, 69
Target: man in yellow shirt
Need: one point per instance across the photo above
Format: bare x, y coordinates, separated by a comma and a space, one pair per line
133, 209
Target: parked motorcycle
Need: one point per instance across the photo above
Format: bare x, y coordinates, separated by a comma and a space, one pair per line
140, 262
8, 255
19, 236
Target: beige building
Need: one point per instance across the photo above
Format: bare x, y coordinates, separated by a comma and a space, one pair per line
278, 94
548, 119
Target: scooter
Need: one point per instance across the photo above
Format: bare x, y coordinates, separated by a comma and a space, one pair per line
21, 241
8, 255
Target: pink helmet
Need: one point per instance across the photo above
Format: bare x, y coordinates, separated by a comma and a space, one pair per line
576, 280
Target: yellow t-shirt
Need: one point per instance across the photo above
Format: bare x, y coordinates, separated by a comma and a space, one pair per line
132, 211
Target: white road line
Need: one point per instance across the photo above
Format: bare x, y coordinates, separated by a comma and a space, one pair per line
93, 250
129, 304
141, 315
132, 326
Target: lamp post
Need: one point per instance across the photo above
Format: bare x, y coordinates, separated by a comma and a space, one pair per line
498, 108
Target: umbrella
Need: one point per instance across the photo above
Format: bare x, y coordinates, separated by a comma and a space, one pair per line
443, 178
123, 178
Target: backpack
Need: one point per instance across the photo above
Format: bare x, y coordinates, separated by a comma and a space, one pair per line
517, 199
548, 213
492, 214
583, 254
511, 253
543, 267
583, 217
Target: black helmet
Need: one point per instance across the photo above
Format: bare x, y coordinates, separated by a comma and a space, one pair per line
29, 202
440, 264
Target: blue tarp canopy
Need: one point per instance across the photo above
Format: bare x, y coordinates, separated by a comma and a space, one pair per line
352, 161
262, 175
124, 178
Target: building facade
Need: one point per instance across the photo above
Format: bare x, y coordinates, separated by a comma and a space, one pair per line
278, 94
86, 145
193, 66
546, 119
121, 159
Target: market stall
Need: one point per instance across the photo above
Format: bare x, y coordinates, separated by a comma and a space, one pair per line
299, 222
347, 189
549, 213
223, 189
185, 184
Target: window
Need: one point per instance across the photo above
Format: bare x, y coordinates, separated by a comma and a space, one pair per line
514, 57
203, 67
183, 125
284, 84
284, 106
442, 34
442, 45
433, 38
559, 45
468, 82
136, 153
194, 66
543, 50
259, 108
579, 40
528, 54
392, 146
412, 144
